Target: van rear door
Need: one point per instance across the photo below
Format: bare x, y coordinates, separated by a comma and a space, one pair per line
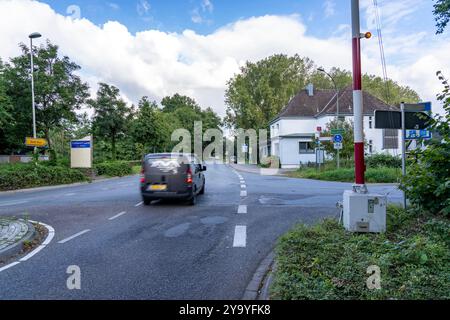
166, 173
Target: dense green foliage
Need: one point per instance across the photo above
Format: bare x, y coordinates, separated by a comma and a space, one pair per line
373, 175
383, 160
442, 14
347, 151
113, 168
20, 176
427, 183
326, 262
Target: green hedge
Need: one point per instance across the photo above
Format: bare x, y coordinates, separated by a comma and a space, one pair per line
114, 169
21, 176
383, 160
373, 175
327, 262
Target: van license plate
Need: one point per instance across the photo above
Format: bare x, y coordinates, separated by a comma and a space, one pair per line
158, 187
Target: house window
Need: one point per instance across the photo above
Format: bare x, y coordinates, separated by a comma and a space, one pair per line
370, 122
390, 139
306, 147
370, 146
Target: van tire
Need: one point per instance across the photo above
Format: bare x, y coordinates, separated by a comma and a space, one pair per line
202, 191
147, 201
193, 200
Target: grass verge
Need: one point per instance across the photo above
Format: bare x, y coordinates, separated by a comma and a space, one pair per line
373, 175
326, 262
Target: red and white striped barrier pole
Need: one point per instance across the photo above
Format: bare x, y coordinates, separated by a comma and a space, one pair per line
357, 100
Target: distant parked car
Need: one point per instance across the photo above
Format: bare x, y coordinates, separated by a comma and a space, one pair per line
172, 176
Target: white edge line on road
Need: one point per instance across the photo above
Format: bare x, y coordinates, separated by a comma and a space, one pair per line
74, 236
242, 208
138, 204
243, 193
50, 235
13, 203
117, 215
240, 236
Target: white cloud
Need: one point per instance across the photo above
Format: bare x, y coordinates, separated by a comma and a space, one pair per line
329, 8
198, 13
157, 63
207, 5
113, 5
143, 7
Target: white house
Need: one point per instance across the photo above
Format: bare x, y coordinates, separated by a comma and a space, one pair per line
292, 132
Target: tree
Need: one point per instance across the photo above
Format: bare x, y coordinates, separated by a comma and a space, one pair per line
151, 129
262, 89
172, 103
347, 151
59, 92
442, 14
5, 101
111, 115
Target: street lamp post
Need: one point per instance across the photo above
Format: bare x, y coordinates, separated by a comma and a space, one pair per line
337, 107
33, 36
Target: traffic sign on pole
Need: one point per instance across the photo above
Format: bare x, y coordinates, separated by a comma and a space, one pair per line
338, 145
35, 142
337, 138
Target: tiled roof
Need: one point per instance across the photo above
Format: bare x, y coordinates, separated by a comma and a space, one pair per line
323, 102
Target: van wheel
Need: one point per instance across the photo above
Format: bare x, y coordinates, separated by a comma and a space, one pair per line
147, 201
202, 191
193, 200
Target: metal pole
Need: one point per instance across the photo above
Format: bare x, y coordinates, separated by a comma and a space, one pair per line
337, 116
32, 90
402, 108
359, 185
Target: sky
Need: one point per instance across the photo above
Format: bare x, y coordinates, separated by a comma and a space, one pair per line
193, 47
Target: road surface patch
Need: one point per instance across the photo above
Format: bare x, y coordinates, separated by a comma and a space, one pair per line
74, 236
117, 215
240, 237
177, 230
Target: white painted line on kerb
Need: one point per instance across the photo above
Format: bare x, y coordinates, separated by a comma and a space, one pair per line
74, 236
9, 266
240, 236
242, 208
50, 235
117, 215
243, 193
138, 204
12, 203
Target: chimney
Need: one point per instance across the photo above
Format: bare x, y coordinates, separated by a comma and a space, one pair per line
310, 89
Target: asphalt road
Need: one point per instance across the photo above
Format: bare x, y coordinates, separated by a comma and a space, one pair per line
168, 250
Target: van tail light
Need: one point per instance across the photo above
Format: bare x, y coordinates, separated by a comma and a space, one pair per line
142, 175
189, 175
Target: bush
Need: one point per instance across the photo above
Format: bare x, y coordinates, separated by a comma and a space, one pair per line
270, 162
383, 160
113, 168
327, 262
373, 175
20, 176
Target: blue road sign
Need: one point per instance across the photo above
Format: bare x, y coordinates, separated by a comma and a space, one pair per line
417, 134
337, 138
81, 144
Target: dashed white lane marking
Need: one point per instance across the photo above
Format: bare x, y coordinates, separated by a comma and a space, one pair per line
243, 186
12, 203
70, 194
243, 193
240, 236
74, 236
117, 215
242, 208
138, 204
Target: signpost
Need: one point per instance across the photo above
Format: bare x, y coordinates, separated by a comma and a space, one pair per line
35, 142
337, 131
81, 153
338, 146
412, 120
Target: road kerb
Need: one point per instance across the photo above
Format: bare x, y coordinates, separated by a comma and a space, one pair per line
258, 288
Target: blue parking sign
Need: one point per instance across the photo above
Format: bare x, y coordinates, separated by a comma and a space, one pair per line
337, 138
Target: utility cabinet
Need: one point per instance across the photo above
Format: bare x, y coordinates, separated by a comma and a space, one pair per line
364, 212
